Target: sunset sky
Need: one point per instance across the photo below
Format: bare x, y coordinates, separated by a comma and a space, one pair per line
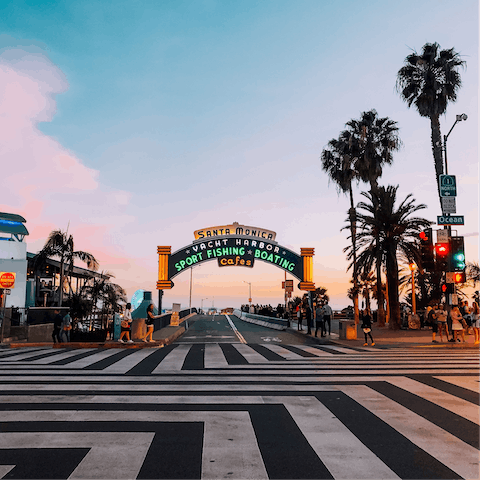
138, 122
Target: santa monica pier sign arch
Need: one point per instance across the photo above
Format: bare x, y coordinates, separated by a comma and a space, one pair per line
236, 246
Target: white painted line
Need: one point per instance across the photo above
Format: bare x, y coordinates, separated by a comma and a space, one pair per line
174, 360
449, 402
24, 356
340, 450
59, 356
214, 357
470, 383
287, 354
251, 355
91, 359
128, 362
452, 452
234, 328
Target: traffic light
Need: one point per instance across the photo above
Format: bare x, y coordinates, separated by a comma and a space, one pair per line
459, 277
458, 254
442, 256
426, 250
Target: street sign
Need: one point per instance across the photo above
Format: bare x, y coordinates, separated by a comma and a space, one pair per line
449, 277
7, 279
442, 236
7, 291
448, 186
450, 220
449, 205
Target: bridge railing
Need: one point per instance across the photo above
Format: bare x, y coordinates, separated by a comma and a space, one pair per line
164, 320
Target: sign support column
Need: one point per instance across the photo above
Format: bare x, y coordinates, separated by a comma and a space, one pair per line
307, 283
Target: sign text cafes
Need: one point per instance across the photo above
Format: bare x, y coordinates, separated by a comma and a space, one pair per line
229, 248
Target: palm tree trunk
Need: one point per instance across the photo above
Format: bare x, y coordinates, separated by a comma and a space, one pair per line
353, 229
380, 303
60, 296
437, 149
392, 287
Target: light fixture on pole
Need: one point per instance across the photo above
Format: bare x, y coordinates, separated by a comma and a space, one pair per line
459, 118
412, 268
249, 292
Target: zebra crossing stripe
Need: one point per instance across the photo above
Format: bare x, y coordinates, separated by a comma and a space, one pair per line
283, 352
92, 358
459, 457
214, 357
174, 360
128, 362
62, 355
250, 355
469, 383
343, 453
449, 402
23, 356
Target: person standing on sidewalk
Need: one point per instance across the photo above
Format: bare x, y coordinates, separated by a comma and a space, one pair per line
319, 320
457, 324
432, 321
441, 315
327, 317
66, 328
299, 318
308, 318
57, 326
367, 327
476, 322
149, 322
126, 324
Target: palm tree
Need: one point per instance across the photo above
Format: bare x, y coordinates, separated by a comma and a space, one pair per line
430, 81
389, 229
338, 163
59, 244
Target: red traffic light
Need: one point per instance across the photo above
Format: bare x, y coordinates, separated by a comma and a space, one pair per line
442, 249
459, 277
444, 288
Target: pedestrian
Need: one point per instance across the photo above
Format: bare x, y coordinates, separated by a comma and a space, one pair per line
66, 327
57, 326
319, 320
367, 327
327, 317
441, 316
149, 323
457, 324
299, 318
476, 322
126, 324
432, 321
308, 318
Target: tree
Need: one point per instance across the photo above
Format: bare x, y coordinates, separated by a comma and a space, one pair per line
374, 139
59, 244
430, 81
338, 162
386, 229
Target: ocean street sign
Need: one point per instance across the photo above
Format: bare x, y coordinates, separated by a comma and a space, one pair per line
450, 220
448, 186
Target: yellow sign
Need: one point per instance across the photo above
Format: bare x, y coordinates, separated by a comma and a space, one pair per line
7, 279
234, 229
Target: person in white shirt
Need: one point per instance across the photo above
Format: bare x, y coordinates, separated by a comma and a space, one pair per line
327, 317
126, 324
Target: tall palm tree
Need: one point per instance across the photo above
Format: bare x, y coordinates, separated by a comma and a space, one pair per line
374, 139
338, 162
59, 244
390, 229
430, 81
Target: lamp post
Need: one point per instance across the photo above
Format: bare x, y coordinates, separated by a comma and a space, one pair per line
412, 268
201, 303
459, 118
249, 292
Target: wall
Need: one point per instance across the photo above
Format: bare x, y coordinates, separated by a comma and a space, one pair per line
13, 258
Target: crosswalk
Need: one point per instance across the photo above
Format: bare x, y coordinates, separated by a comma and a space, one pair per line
239, 411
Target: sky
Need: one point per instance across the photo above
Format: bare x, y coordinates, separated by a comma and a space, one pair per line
135, 123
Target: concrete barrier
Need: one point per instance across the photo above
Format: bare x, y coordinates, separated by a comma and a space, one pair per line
269, 322
347, 330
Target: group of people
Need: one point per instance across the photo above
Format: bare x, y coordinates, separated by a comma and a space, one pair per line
461, 319
322, 315
61, 327
265, 310
126, 325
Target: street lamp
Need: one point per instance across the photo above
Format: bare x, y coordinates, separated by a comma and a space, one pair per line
201, 304
412, 268
249, 292
459, 118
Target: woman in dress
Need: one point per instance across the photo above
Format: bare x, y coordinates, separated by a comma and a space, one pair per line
367, 327
476, 322
149, 323
126, 325
457, 326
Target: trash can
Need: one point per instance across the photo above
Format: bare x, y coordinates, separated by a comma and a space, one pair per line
347, 330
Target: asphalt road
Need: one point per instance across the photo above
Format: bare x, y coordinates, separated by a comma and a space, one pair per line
218, 329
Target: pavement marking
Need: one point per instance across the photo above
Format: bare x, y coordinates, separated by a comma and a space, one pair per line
445, 400
118, 455
287, 354
234, 328
316, 351
341, 451
459, 456
127, 363
24, 356
174, 360
91, 359
59, 356
470, 383
4, 469
214, 357
250, 355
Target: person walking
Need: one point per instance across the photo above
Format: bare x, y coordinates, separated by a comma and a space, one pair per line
441, 316
457, 324
476, 322
367, 327
327, 317
308, 318
299, 318
126, 325
149, 323
319, 320
66, 328
57, 326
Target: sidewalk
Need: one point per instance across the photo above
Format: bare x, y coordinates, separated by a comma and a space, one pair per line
384, 337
